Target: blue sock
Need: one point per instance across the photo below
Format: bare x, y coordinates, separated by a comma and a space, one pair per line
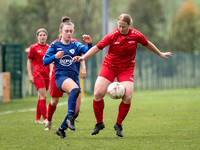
71, 106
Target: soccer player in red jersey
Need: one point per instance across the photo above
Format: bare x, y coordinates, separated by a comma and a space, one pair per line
119, 62
39, 74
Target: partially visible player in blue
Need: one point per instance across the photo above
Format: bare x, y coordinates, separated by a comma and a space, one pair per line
66, 71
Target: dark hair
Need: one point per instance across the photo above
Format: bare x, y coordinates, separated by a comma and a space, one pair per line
126, 18
66, 21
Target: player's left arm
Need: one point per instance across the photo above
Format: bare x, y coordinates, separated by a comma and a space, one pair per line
51, 69
154, 49
83, 70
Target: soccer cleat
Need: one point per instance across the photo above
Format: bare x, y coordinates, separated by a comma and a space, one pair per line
47, 126
118, 128
45, 121
98, 127
75, 116
38, 121
70, 123
61, 133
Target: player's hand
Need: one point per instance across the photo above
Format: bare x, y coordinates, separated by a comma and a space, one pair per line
77, 59
83, 73
87, 38
59, 54
164, 55
31, 79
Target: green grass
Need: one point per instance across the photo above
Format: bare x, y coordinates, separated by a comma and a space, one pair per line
157, 120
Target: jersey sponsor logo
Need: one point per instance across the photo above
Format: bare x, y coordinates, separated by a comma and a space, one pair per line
117, 43
131, 42
132, 79
66, 60
39, 51
72, 51
59, 49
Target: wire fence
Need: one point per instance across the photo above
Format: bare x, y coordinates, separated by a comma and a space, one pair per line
179, 71
182, 70
152, 72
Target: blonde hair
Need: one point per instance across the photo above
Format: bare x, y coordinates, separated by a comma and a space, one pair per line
41, 30
126, 18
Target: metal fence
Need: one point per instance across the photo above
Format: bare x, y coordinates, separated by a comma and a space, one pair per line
179, 71
12, 62
151, 72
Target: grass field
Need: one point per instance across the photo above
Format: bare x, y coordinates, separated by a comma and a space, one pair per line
157, 120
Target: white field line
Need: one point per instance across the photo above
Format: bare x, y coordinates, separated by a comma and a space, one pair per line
32, 109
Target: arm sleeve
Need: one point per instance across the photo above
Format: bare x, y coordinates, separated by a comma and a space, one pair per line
90, 45
104, 42
82, 48
31, 53
49, 56
142, 39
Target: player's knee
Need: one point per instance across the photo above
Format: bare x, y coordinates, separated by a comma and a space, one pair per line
76, 91
98, 95
127, 99
54, 101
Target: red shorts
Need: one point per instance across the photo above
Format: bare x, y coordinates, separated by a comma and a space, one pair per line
122, 74
54, 90
41, 83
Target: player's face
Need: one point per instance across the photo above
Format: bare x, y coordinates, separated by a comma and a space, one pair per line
42, 37
123, 27
67, 32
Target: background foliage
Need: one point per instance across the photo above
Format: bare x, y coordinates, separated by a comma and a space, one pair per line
167, 23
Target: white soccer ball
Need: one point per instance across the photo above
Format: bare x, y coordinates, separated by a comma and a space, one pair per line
116, 90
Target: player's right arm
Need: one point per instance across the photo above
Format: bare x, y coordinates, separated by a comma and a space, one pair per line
83, 70
52, 54
89, 54
29, 64
95, 49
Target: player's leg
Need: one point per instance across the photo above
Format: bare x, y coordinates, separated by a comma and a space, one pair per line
55, 93
105, 77
41, 86
38, 113
98, 102
78, 106
42, 98
51, 109
70, 87
126, 79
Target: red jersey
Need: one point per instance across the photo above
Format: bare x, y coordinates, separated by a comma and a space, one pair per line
36, 54
122, 48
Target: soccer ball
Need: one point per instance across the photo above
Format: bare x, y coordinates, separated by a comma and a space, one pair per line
116, 90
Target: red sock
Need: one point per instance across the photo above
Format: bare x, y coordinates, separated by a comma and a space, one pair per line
51, 110
98, 110
38, 113
122, 112
43, 108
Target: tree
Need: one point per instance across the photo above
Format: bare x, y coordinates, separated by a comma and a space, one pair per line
149, 19
23, 21
185, 28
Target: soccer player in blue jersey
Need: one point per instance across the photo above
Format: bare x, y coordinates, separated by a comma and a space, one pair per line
66, 71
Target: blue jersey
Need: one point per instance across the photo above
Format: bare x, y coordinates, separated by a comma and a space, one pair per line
65, 63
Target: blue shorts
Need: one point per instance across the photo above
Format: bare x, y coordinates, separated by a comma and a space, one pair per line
62, 76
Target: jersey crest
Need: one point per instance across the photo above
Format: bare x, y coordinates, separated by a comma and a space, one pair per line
72, 51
